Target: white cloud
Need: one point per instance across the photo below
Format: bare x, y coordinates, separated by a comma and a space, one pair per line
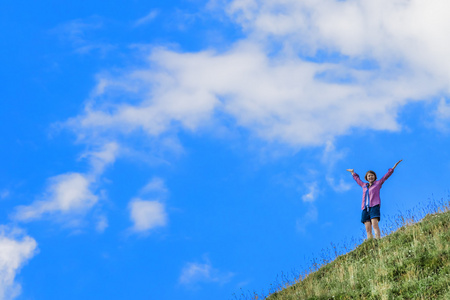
410, 30
147, 19
147, 215
69, 196
66, 194
405, 39
15, 250
194, 273
277, 100
379, 55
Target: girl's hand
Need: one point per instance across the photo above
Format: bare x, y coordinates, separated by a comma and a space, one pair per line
397, 163
351, 171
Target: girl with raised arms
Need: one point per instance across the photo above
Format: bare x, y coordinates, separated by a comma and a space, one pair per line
370, 215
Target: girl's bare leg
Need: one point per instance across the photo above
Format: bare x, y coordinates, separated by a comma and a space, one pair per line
376, 228
368, 226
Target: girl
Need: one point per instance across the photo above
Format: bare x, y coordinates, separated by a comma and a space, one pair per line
370, 206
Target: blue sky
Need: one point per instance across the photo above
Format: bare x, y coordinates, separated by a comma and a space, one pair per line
193, 149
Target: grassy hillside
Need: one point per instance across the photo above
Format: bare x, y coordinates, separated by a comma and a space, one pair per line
410, 263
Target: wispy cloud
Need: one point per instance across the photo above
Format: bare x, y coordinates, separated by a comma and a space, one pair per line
16, 248
79, 34
194, 273
155, 185
102, 224
329, 158
312, 194
4, 194
309, 217
147, 19
312, 213
442, 114
102, 157
341, 186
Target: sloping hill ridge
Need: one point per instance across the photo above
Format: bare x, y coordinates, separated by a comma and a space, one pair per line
411, 263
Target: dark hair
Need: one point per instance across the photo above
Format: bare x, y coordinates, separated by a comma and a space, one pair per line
365, 177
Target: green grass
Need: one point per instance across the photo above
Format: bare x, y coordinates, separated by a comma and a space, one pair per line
411, 262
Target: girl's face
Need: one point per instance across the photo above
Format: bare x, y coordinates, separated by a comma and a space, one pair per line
371, 177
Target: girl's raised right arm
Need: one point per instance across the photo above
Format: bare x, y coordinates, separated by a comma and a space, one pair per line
356, 177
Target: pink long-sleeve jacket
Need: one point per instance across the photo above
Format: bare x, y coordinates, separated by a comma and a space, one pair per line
374, 190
